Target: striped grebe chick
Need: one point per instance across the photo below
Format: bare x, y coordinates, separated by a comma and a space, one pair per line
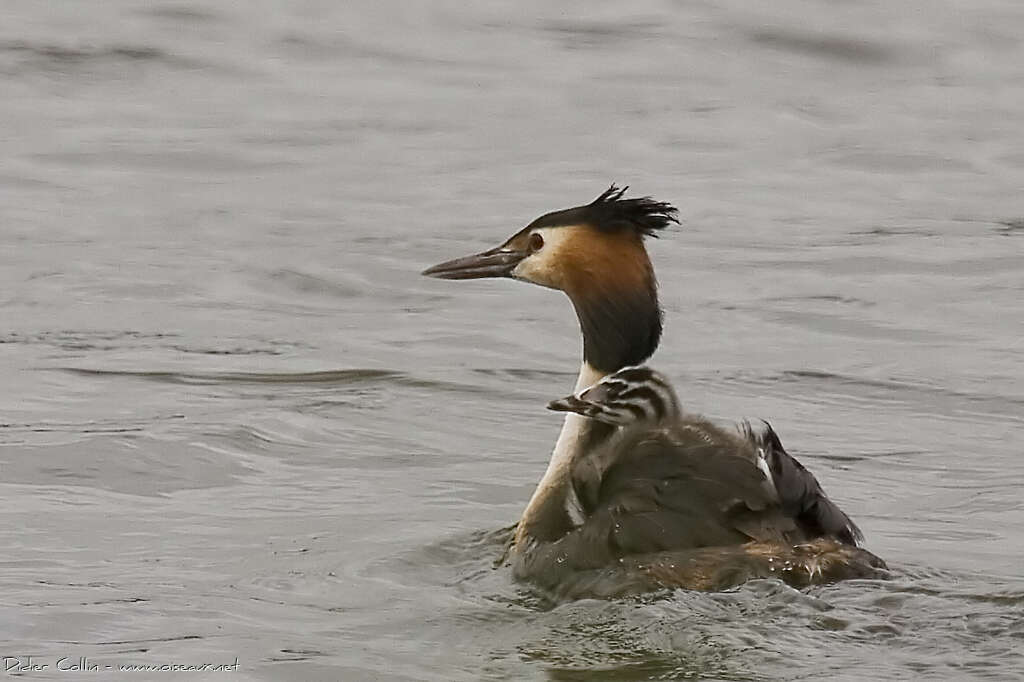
636, 495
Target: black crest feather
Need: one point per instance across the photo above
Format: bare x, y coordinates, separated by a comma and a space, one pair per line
642, 214
611, 213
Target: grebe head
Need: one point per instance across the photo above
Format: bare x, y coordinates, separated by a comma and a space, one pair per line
631, 395
595, 254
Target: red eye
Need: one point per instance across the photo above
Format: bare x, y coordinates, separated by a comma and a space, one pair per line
536, 242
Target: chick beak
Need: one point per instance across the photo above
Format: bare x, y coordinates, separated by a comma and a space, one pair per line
496, 262
569, 403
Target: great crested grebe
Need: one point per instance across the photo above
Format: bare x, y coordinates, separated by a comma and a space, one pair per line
631, 506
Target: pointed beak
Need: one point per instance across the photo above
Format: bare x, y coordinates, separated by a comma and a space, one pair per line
570, 403
497, 262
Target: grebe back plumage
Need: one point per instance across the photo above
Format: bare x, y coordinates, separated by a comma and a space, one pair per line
643, 403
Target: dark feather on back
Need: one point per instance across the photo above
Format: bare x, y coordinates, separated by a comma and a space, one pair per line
662, 489
800, 494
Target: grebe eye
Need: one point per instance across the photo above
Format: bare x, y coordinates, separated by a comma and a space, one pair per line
536, 242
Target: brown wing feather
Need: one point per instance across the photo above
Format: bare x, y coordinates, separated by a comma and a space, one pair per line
664, 489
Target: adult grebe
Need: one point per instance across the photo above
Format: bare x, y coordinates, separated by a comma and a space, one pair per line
629, 535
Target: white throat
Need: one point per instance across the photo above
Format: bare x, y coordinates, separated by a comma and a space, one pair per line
567, 444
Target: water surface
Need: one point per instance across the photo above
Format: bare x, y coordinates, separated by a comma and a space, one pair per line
236, 422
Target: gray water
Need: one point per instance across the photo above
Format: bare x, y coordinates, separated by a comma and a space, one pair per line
237, 424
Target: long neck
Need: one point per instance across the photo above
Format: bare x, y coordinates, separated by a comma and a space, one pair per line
550, 512
620, 327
